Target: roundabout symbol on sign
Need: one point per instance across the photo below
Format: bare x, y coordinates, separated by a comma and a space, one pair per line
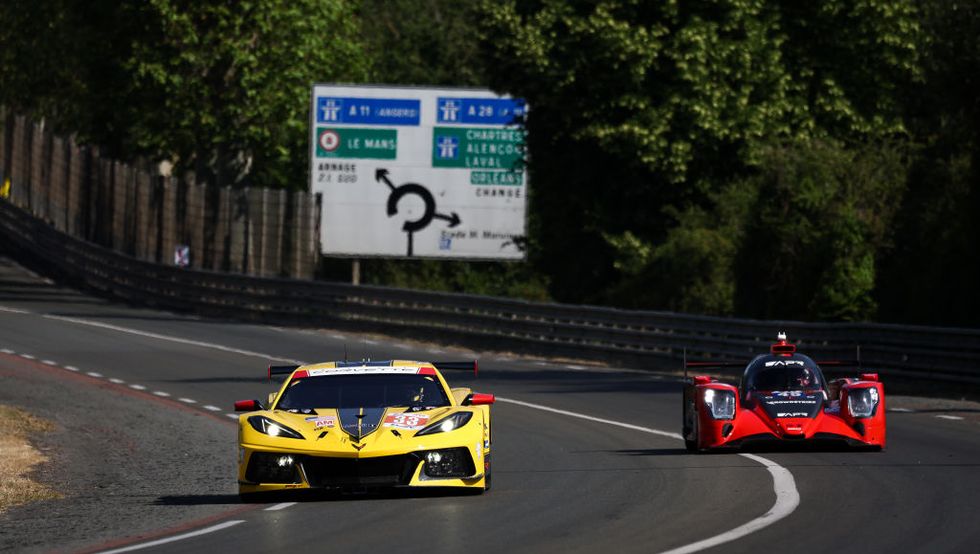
414, 189
329, 140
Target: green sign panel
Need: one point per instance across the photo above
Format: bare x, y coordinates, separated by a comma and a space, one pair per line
340, 142
477, 147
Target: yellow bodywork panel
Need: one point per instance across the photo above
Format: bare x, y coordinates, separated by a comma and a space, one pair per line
334, 446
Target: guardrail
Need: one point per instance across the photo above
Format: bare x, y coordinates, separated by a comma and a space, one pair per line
643, 339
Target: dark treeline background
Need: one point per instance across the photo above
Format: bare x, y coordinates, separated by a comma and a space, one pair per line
759, 158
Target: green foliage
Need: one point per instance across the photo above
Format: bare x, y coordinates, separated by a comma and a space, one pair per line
515, 280
233, 80
764, 158
62, 60
638, 107
692, 270
822, 215
422, 42
931, 274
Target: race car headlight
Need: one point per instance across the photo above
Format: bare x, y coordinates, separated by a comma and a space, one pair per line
720, 402
862, 402
446, 424
266, 426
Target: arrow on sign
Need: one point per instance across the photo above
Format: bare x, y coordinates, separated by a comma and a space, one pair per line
453, 220
381, 175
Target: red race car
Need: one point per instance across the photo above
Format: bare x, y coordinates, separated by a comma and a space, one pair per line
782, 398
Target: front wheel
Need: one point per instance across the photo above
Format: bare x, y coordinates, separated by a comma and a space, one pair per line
486, 474
690, 428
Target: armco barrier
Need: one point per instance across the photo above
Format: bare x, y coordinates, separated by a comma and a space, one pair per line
644, 339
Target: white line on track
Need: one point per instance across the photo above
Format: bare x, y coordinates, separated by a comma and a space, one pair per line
787, 497
94, 374
71, 368
116, 381
901, 410
952, 417
161, 394
590, 418
170, 338
28, 356
6, 351
188, 400
175, 538
137, 387
13, 310
49, 362
232, 416
280, 506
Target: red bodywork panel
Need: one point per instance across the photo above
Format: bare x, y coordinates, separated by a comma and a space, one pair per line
752, 423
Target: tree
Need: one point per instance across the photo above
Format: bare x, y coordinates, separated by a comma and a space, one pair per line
422, 42
931, 274
231, 83
822, 215
641, 110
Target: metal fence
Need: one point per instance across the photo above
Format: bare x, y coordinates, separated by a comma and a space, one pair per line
135, 211
643, 339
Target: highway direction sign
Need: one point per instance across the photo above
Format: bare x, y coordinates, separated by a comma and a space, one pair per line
418, 172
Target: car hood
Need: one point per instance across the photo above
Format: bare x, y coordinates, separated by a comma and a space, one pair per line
789, 413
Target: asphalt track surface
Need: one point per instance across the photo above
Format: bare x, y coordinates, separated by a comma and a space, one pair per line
145, 453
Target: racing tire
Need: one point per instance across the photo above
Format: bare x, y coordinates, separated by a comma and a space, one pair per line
486, 477
690, 444
253, 497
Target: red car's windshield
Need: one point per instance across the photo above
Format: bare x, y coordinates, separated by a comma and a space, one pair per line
781, 373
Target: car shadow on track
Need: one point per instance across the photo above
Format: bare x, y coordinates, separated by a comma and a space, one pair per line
197, 500
312, 496
652, 452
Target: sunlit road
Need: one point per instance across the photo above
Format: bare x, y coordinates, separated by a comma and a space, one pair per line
561, 482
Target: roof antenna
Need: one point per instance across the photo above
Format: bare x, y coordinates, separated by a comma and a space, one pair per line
685, 363
345, 352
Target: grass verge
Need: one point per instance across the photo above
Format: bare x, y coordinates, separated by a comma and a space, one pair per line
18, 458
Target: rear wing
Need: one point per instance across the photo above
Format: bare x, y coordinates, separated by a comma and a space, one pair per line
281, 370
276, 370
461, 366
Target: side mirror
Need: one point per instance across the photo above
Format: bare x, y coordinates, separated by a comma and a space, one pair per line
479, 399
248, 405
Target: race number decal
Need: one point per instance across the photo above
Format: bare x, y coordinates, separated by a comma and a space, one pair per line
406, 420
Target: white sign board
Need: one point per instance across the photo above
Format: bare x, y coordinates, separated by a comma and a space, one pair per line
418, 172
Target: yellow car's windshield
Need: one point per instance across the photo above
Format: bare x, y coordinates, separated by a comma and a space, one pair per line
363, 391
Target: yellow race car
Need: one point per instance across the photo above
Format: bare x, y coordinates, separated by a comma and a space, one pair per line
358, 425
